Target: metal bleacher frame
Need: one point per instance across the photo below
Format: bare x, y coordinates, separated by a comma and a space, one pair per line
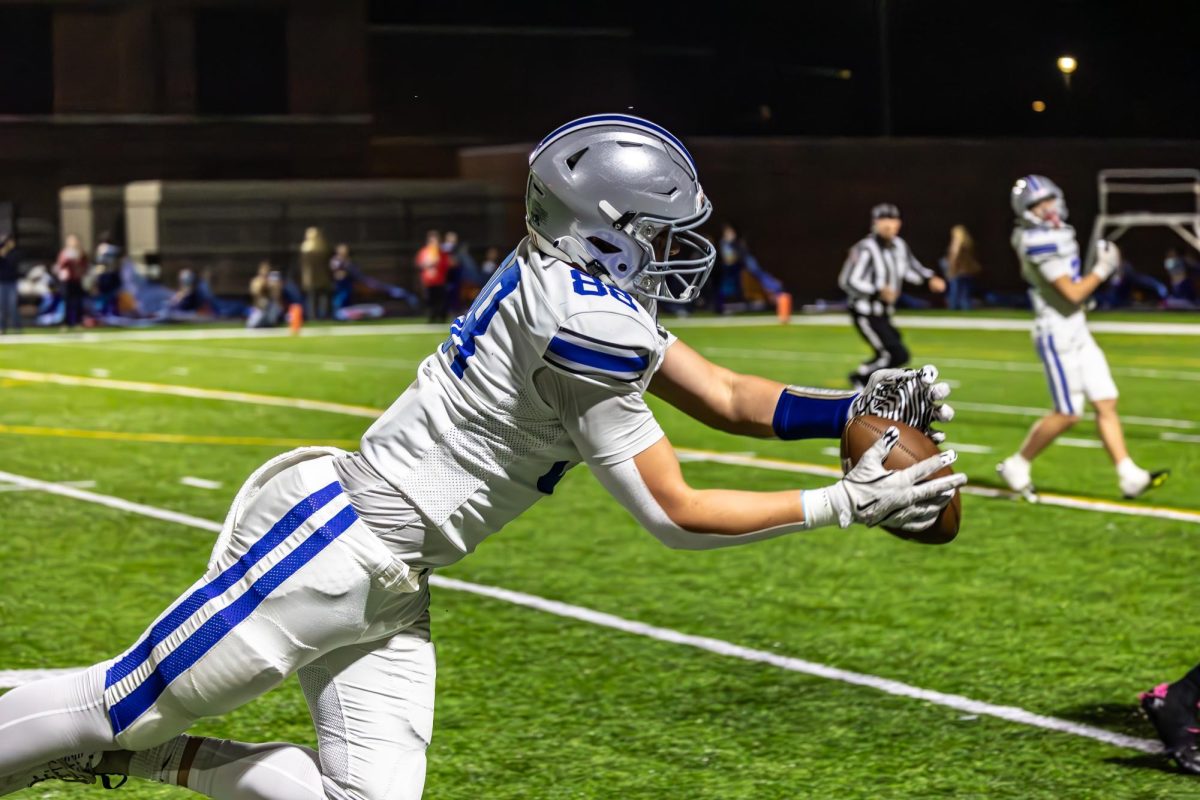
1113, 226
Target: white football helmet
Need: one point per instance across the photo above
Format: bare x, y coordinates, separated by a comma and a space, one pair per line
1031, 190
618, 197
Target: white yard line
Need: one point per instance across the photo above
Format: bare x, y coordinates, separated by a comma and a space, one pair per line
1087, 444
716, 646
956, 363
956, 323
117, 503
10, 487
1045, 499
1034, 411
1179, 437
200, 483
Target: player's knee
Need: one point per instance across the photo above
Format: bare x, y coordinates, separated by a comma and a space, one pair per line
1106, 408
1065, 421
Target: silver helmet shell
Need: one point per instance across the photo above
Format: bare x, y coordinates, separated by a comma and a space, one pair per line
1031, 190
618, 196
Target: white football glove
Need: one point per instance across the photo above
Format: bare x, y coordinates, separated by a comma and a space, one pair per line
873, 495
1108, 258
911, 396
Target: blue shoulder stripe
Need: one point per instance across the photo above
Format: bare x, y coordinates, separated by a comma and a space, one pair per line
1038, 250
605, 362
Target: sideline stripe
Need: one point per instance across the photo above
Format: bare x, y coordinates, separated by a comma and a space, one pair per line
1045, 499
833, 320
168, 438
191, 391
707, 644
8, 487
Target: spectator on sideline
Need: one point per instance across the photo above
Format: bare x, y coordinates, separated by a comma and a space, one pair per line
344, 272
434, 265
107, 253
71, 266
10, 304
266, 298
962, 268
729, 269
1179, 276
454, 270
491, 260
314, 274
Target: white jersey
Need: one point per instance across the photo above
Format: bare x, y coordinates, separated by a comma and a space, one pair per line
546, 369
1046, 254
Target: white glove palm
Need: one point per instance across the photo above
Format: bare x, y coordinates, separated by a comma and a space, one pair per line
911, 396
1108, 258
872, 494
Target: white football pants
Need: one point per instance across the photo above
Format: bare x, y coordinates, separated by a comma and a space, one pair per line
296, 584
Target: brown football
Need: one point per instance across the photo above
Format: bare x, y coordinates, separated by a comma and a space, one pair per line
862, 432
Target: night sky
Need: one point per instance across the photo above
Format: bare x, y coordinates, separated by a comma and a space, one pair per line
957, 69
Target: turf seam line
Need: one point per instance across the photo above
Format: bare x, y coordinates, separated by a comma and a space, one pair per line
670, 636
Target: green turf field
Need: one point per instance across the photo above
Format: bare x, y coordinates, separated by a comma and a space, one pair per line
1062, 612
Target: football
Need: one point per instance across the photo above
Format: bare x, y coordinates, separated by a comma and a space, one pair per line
862, 432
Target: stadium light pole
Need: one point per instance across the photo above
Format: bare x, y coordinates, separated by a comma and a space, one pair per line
885, 72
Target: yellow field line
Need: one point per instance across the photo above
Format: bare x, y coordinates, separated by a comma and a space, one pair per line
168, 438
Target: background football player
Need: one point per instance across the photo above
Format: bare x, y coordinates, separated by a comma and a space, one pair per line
323, 565
1075, 365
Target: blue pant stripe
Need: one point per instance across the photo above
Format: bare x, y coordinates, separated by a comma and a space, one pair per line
126, 711
1062, 376
219, 585
1049, 374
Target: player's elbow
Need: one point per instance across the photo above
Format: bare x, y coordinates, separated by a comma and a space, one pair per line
680, 506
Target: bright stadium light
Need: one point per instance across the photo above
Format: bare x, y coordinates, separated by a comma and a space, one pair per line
1038, 106
1067, 64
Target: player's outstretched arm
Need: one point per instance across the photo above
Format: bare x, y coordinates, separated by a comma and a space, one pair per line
652, 487
753, 406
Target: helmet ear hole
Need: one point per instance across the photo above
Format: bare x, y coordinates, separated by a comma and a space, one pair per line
606, 247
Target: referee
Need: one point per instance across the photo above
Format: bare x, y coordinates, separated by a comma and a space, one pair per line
871, 279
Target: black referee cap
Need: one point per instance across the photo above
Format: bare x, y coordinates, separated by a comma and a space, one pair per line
885, 211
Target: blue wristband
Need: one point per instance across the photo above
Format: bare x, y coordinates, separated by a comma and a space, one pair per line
810, 416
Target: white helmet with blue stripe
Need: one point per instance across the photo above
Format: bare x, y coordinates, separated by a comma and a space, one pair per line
618, 196
1030, 190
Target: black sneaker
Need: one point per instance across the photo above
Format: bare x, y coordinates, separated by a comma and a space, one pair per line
1175, 722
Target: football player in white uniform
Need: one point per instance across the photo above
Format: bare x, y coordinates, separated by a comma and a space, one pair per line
1075, 365
323, 565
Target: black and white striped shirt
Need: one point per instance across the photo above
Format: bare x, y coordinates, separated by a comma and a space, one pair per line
874, 265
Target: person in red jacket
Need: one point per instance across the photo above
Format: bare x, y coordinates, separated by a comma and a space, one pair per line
70, 268
434, 265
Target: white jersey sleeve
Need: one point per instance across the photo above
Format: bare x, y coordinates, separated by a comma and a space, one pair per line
607, 426
602, 361
1047, 254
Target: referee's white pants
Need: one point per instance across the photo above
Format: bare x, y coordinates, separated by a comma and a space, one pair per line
296, 583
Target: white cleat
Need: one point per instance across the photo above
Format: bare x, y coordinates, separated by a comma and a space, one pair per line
76, 768
1017, 477
1136, 485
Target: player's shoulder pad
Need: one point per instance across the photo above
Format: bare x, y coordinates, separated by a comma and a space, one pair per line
606, 346
1044, 244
